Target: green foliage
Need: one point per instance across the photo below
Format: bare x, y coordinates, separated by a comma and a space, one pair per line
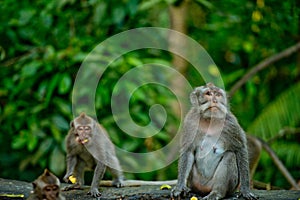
287, 151
41, 54
43, 44
280, 113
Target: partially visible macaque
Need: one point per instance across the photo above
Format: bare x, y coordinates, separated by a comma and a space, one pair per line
46, 187
89, 148
254, 147
213, 153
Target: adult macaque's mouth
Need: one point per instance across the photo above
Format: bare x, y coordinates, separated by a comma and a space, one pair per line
84, 141
213, 108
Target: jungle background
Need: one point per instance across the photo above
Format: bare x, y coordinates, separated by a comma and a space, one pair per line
43, 44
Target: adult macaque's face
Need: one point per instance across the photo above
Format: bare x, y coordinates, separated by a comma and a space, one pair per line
211, 101
83, 133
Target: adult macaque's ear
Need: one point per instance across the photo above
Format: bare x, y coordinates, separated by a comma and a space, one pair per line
72, 124
47, 172
82, 115
94, 124
34, 185
194, 96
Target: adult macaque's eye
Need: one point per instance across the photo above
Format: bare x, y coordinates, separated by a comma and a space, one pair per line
208, 93
218, 94
87, 128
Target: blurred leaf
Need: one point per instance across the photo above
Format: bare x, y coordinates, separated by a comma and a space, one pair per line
233, 76
26, 16
283, 111
24, 163
42, 90
134, 61
49, 52
65, 84
118, 14
163, 136
9, 109
130, 146
251, 88
288, 153
248, 46
56, 132
32, 142
205, 3
51, 87
79, 57
148, 4
43, 149
57, 161
60, 122
31, 68
100, 12
63, 106
133, 6
20, 141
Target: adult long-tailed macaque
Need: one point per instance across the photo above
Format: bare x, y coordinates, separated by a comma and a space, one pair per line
213, 154
88, 147
46, 187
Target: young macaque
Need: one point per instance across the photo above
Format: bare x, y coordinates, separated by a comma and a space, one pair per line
89, 148
46, 187
213, 153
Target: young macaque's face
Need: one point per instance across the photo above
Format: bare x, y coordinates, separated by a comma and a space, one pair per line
83, 133
51, 192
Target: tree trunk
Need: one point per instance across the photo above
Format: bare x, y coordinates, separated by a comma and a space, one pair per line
178, 23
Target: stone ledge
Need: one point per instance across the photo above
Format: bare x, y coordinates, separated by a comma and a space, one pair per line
16, 188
